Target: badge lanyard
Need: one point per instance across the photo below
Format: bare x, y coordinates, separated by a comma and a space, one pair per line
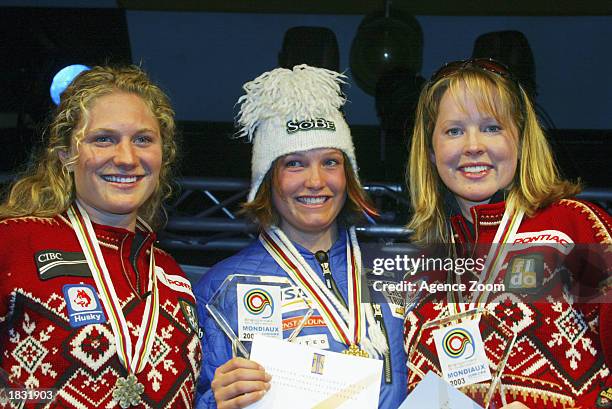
497, 253
347, 327
133, 358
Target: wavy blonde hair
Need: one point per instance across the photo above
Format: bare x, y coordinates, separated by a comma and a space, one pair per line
537, 182
47, 187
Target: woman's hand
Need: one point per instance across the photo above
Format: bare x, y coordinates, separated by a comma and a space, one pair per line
515, 405
238, 383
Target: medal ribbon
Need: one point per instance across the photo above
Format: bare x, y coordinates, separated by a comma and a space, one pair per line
133, 362
495, 258
346, 326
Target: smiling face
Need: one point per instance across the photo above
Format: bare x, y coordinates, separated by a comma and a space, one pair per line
119, 159
310, 191
474, 154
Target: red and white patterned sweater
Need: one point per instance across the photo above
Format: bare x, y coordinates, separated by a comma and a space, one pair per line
41, 349
558, 359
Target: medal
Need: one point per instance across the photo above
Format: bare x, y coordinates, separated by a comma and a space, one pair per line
346, 325
504, 235
499, 249
127, 391
354, 350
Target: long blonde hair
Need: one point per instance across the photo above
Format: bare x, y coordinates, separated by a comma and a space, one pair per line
537, 182
47, 188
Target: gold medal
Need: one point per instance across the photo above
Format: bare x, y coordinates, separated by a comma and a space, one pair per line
356, 351
346, 325
127, 391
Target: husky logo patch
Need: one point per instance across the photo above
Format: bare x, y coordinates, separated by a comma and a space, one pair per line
191, 316
83, 305
82, 299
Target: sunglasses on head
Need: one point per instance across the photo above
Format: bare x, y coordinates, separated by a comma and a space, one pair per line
486, 64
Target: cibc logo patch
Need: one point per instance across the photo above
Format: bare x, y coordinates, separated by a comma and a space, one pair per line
57, 263
83, 305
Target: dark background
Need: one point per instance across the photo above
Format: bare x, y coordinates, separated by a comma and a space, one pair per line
201, 52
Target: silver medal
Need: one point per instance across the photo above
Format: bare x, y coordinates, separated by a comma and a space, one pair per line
127, 391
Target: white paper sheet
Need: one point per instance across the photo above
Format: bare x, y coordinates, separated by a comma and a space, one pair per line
435, 393
310, 378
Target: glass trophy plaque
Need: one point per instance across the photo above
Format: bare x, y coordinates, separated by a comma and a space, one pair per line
245, 306
468, 350
413, 295
433, 392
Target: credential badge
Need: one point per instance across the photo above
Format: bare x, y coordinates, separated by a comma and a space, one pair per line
461, 354
258, 311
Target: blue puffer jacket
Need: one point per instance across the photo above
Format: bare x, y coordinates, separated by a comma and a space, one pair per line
255, 260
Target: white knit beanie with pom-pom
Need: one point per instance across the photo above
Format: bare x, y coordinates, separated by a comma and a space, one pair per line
286, 111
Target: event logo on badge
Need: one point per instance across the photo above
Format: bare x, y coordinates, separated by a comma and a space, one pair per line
83, 305
458, 343
461, 354
259, 302
258, 312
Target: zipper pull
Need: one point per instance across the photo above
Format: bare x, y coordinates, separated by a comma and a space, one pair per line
323, 260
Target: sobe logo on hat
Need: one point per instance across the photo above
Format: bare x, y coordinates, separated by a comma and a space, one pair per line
318, 123
285, 111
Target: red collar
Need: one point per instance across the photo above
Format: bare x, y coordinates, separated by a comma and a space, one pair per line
486, 217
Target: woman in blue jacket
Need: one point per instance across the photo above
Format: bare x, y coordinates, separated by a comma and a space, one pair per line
305, 195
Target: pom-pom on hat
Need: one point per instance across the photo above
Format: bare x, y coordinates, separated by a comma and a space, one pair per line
286, 111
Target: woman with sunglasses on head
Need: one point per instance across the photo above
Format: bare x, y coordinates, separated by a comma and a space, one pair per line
481, 172
92, 314
305, 196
